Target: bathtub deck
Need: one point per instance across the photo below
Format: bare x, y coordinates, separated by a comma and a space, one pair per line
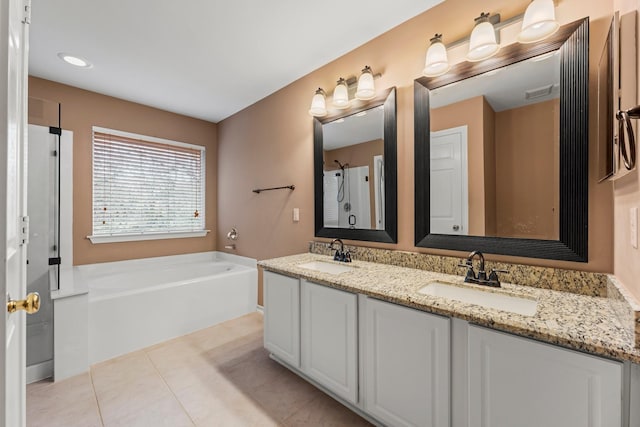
219, 376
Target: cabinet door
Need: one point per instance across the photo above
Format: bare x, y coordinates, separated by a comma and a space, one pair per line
515, 381
282, 317
329, 339
406, 365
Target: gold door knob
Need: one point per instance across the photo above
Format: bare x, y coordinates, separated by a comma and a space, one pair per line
30, 305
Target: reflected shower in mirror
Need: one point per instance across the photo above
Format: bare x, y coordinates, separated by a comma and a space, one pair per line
353, 175
355, 172
495, 152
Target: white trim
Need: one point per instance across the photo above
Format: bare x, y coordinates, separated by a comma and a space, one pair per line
260, 309
147, 236
147, 138
39, 371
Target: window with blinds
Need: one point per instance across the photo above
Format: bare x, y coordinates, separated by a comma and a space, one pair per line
145, 186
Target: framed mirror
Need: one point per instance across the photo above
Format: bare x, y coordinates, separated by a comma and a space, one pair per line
355, 172
501, 151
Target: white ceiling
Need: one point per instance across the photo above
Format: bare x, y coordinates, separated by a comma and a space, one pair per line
505, 88
355, 129
203, 58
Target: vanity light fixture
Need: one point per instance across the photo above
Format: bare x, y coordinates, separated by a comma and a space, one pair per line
75, 60
483, 43
318, 104
341, 95
366, 89
539, 21
437, 62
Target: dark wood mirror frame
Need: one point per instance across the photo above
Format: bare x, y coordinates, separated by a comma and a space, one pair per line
573, 41
390, 232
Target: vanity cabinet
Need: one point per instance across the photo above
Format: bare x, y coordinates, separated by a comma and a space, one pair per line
329, 338
517, 381
282, 317
405, 364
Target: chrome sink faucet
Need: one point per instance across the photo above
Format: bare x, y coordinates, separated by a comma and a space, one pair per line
340, 254
480, 278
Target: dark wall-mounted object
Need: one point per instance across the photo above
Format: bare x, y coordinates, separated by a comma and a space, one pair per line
607, 81
573, 42
390, 232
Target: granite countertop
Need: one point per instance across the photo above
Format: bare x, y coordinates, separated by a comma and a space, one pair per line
579, 322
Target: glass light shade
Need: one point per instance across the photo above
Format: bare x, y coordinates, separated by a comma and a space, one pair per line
483, 44
539, 21
341, 95
437, 62
366, 88
318, 104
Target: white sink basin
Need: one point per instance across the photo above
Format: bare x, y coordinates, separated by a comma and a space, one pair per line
498, 301
326, 267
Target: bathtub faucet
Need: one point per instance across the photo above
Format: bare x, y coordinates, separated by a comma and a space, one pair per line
340, 254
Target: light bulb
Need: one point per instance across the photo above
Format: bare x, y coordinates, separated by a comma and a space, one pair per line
482, 43
341, 95
437, 62
318, 104
539, 22
366, 89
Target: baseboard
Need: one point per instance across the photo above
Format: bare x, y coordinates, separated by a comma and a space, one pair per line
260, 309
39, 371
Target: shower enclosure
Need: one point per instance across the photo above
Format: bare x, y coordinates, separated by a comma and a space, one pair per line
43, 250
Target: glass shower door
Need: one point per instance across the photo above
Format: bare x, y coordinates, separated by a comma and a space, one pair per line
43, 196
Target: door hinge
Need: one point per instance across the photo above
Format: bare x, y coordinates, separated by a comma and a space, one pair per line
55, 131
55, 261
24, 230
26, 17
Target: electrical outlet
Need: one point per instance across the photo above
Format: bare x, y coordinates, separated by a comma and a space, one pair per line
633, 226
296, 214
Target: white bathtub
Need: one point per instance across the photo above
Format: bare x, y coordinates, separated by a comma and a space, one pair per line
138, 303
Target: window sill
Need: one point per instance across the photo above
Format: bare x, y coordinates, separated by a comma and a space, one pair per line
150, 236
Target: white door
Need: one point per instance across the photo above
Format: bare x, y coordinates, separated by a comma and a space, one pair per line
14, 32
449, 187
378, 172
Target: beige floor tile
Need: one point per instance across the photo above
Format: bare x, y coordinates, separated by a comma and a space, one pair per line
67, 403
212, 337
245, 325
118, 399
323, 411
284, 396
122, 370
215, 401
219, 376
166, 412
254, 371
236, 351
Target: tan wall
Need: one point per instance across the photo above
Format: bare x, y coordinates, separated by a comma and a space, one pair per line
527, 184
489, 144
358, 155
470, 113
627, 196
271, 142
80, 111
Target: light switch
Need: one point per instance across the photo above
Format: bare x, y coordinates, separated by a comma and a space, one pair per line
633, 226
296, 214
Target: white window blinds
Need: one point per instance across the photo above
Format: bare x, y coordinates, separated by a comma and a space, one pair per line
144, 185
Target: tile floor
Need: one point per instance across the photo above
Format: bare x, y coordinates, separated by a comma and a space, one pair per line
219, 376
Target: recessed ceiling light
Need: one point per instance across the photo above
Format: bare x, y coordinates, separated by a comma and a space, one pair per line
75, 60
